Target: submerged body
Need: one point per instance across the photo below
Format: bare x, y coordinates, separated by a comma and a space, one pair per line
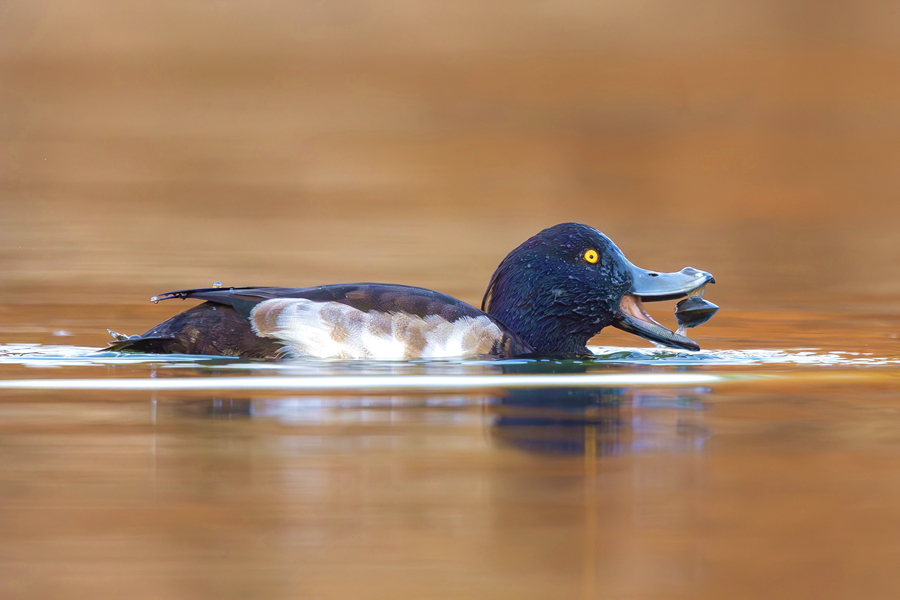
548, 297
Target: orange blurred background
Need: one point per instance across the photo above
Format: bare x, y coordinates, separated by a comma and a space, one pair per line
154, 146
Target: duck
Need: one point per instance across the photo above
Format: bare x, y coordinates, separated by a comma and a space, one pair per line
547, 297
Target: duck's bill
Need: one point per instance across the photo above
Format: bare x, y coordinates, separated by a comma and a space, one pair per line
634, 319
651, 286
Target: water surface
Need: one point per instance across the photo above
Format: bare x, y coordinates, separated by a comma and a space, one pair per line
642, 473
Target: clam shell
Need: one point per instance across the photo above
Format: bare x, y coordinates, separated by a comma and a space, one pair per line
694, 311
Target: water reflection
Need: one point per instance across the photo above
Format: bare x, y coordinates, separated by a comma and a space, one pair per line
598, 421
605, 422
216, 408
557, 421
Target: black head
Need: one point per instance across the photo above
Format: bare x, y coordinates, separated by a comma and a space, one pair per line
568, 282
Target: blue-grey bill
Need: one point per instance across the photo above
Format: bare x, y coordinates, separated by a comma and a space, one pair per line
653, 286
633, 319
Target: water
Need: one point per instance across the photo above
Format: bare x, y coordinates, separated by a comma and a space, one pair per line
641, 473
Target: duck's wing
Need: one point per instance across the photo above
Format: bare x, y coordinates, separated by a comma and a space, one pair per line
365, 297
332, 321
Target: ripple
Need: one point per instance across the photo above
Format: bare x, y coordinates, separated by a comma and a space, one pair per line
37, 355
364, 382
796, 356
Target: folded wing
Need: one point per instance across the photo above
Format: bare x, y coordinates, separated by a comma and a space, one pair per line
362, 320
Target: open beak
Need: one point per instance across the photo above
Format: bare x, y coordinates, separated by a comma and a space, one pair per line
651, 286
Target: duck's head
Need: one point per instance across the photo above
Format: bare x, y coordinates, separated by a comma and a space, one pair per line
565, 284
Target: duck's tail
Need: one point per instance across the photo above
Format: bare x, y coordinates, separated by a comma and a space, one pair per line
209, 328
147, 345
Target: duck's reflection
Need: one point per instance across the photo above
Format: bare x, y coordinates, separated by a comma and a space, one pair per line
607, 421
557, 421
564, 420
216, 408
601, 421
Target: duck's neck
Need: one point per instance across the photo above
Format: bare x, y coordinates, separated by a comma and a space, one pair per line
543, 316
543, 335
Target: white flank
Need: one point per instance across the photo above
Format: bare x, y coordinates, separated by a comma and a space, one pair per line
299, 326
335, 330
448, 339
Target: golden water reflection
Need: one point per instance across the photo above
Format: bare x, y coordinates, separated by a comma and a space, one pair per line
560, 493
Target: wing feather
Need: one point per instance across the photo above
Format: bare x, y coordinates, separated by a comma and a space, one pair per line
346, 320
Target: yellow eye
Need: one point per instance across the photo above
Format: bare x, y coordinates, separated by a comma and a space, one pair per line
591, 256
